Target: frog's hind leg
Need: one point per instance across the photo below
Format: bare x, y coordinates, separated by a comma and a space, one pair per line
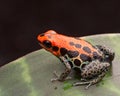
93, 73
108, 53
92, 82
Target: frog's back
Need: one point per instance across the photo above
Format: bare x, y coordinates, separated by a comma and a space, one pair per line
74, 48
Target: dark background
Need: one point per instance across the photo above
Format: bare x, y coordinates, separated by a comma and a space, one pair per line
21, 21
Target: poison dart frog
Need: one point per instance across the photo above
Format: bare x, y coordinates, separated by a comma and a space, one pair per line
91, 61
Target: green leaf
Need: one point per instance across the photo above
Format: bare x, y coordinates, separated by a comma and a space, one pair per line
30, 75
67, 85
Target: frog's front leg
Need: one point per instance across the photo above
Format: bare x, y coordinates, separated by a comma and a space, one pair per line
93, 73
65, 74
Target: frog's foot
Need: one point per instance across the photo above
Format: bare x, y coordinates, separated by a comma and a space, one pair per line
91, 82
93, 73
56, 75
109, 54
60, 77
83, 83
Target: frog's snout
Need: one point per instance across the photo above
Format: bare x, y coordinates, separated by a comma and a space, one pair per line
39, 38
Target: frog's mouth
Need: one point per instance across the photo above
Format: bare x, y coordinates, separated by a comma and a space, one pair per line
42, 45
39, 42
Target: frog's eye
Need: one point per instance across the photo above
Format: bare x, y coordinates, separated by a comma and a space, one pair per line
47, 44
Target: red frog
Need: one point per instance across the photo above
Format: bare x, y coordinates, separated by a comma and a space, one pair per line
92, 62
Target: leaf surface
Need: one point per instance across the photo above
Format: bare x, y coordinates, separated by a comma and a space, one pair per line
30, 75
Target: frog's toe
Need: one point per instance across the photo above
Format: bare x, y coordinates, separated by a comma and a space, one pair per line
87, 87
88, 83
56, 74
54, 79
80, 83
58, 77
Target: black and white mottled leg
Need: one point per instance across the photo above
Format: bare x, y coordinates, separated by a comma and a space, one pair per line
64, 75
93, 73
91, 82
108, 53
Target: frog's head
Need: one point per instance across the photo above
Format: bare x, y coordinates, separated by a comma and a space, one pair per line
49, 41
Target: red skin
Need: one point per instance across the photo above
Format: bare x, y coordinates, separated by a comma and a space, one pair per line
62, 41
